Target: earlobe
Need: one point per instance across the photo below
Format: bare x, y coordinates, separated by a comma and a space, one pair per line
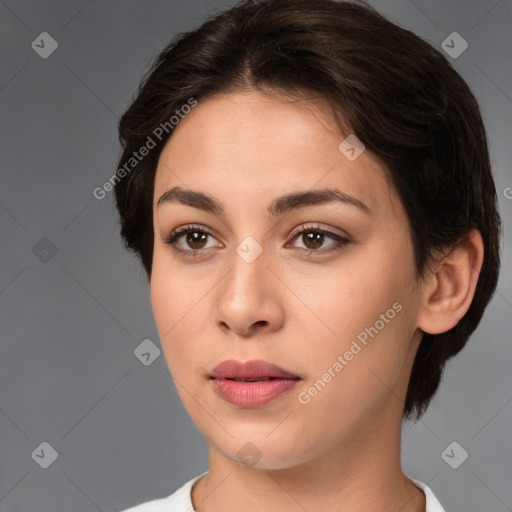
449, 289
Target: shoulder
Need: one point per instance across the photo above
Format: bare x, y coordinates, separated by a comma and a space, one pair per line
433, 504
179, 501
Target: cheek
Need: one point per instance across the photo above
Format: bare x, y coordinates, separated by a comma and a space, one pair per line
180, 313
365, 315
352, 297
173, 295
163, 301
348, 381
170, 312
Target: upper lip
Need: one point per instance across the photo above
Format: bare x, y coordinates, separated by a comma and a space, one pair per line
254, 369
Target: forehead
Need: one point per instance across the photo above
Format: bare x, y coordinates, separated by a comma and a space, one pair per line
243, 144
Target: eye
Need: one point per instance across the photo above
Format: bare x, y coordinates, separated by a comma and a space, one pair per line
195, 240
194, 237
314, 238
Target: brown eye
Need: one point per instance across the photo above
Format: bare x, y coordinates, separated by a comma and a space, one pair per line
196, 239
192, 241
313, 240
189, 240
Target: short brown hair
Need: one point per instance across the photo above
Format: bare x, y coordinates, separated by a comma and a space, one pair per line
399, 95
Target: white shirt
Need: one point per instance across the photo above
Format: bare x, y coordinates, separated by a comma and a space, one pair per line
181, 500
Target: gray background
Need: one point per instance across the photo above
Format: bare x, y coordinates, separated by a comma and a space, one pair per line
72, 319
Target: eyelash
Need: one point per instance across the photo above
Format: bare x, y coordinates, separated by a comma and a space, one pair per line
171, 241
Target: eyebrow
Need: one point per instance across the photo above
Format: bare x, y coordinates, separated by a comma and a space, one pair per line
278, 206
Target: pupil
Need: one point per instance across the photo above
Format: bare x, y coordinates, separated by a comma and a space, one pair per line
315, 238
192, 239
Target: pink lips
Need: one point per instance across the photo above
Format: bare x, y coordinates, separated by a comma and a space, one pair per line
251, 384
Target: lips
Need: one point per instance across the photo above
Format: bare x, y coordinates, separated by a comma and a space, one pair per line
252, 384
250, 371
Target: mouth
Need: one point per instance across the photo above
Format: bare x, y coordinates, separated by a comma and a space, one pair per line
257, 380
250, 371
262, 379
252, 384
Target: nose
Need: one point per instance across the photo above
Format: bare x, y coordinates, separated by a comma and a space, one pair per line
248, 300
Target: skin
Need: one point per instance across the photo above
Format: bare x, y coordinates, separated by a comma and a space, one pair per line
341, 451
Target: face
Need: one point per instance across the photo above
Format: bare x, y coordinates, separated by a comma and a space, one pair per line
320, 286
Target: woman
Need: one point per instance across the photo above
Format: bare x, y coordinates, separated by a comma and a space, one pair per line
309, 190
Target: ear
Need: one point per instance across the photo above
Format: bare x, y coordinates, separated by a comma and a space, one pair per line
449, 288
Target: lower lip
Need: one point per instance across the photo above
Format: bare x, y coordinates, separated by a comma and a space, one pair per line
251, 395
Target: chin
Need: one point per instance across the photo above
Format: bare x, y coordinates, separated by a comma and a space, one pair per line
261, 452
